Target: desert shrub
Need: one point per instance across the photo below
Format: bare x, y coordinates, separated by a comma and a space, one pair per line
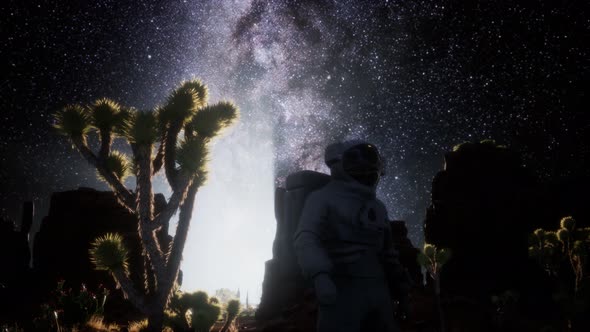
67, 308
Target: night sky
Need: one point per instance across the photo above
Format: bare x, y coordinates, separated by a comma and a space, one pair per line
413, 77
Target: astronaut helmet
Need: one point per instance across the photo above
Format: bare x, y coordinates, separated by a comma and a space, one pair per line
355, 160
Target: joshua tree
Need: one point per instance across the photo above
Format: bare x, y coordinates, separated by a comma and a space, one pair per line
174, 137
233, 309
433, 259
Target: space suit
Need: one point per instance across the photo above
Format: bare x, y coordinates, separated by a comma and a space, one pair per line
343, 243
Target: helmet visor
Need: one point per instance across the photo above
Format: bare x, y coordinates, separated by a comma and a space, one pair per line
363, 163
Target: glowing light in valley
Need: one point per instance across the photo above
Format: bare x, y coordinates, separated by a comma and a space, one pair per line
233, 224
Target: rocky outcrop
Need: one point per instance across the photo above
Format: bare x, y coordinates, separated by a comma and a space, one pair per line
283, 286
15, 274
485, 205
480, 211
14, 245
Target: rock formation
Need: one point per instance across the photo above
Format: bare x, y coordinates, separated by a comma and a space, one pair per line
484, 206
14, 266
75, 219
283, 286
408, 254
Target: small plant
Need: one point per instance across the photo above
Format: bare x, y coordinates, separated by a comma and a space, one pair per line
66, 308
545, 248
96, 323
433, 259
569, 244
232, 311
192, 311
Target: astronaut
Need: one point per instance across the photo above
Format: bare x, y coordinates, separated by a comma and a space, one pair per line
343, 243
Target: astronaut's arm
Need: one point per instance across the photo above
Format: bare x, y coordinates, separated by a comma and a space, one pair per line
311, 254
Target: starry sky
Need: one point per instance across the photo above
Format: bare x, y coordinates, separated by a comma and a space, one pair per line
413, 77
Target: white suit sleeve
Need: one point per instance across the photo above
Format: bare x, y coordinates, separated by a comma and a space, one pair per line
313, 225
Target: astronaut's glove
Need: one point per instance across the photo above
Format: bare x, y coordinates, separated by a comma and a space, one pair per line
325, 289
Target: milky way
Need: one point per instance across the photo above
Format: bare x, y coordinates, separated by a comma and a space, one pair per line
414, 77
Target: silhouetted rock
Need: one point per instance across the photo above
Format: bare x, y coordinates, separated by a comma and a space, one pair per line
14, 266
408, 254
479, 211
484, 206
14, 246
75, 219
283, 286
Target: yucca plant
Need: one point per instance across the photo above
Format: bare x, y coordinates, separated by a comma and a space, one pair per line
545, 248
193, 311
433, 259
232, 310
176, 137
569, 241
571, 244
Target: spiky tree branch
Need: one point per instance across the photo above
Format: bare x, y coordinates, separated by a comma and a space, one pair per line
170, 154
145, 204
184, 219
129, 291
174, 202
184, 115
159, 159
181, 106
122, 193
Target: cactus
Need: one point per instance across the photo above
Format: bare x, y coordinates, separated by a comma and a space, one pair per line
433, 259
179, 132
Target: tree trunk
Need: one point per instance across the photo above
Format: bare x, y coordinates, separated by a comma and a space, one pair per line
170, 153
156, 321
159, 159
106, 140
227, 324
145, 207
177, 247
